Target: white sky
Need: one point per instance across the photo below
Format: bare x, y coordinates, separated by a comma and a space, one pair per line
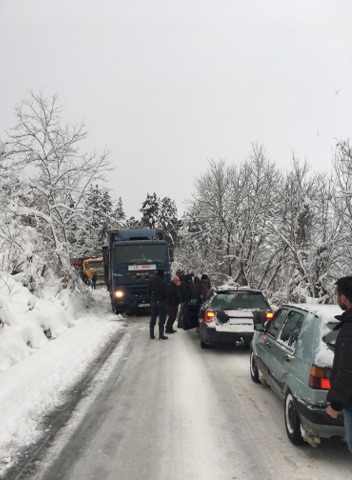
168, 85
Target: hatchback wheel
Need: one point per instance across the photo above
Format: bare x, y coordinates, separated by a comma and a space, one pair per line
202, 342
292, 420
253, 368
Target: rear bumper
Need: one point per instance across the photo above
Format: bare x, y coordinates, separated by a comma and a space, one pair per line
210, 335
316, 419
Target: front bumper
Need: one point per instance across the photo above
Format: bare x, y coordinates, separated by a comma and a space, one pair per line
130, 302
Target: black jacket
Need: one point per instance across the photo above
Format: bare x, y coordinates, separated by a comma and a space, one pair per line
173, 295
184, 290
158, 288
340, 393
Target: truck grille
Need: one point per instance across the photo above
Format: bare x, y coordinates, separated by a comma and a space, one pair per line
140, 276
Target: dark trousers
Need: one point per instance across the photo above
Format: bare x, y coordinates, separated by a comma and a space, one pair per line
172, 313
157, 309
180, 314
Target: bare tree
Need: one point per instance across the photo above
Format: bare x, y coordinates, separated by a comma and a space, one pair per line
55, 176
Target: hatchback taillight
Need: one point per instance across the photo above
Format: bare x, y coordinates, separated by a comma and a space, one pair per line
318, 378
209, 316
269, 316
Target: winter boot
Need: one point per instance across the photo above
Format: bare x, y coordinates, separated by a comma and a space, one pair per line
151, 330
161, 334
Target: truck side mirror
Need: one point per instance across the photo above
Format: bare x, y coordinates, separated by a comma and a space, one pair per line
106, 255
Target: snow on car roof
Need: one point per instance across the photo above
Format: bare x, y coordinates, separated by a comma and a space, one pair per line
323, 354
326, 312
233, 288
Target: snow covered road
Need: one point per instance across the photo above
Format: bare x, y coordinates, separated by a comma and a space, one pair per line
169, 410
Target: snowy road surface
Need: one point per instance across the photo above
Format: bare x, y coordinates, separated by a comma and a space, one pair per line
170, 411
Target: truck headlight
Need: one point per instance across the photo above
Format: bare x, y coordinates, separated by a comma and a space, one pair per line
119, 294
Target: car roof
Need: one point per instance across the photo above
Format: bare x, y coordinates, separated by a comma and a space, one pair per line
229, 289
326, 312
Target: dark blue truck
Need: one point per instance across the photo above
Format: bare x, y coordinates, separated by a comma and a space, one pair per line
131, 258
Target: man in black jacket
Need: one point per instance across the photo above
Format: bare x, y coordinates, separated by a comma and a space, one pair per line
340, 393
172, 303
158, 295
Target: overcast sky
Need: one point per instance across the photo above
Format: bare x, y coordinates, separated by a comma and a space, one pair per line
167, 85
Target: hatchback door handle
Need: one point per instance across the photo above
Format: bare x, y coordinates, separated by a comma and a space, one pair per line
289, 357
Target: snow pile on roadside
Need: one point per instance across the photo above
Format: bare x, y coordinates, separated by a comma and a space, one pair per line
45, 347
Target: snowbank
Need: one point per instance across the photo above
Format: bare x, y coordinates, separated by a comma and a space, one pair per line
45, 346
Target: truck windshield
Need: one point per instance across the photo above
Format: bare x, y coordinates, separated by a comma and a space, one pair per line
139, 254
95, 265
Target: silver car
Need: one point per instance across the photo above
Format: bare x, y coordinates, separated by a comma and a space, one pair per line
293, 354
226, 316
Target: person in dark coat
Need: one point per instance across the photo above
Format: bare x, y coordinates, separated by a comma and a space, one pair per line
158, 294
191, 309
340, 393
183, 297
205, 286
172, 303
94, 280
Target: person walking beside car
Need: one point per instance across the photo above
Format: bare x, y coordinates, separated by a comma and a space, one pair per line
172, 303
340, 393
158, 294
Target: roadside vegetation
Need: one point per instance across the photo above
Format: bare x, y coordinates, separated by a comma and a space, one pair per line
286, 233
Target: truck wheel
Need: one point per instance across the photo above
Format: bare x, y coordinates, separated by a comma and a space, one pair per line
292, 420
253, 367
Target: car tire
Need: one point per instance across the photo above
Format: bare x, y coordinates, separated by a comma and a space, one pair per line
253, 367
202, 342
292, 420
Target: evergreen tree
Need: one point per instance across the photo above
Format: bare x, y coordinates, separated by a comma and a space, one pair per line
150, 211
161, 214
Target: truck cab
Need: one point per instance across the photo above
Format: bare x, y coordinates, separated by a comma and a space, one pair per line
131, 258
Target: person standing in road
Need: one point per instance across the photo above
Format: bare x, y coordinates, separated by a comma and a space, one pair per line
183, 297
94, 280
205, 286
172, 303
158, 295
340, 393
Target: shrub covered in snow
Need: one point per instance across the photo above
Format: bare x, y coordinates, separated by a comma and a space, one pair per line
29, 322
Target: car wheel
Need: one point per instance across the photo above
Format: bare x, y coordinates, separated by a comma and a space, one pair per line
292, 420
253, 368
202, 342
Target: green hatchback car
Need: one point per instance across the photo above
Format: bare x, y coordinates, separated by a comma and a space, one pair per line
293, 353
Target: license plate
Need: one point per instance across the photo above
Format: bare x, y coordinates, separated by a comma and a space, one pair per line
141, 305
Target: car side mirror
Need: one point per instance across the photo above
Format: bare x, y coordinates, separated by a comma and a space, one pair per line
259, 327
259, 317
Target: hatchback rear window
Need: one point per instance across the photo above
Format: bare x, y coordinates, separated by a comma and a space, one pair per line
329, 336
240, 300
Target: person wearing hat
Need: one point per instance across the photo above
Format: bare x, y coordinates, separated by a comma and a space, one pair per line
158, 294
172, 303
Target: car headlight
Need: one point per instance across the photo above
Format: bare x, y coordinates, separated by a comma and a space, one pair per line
119, 294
